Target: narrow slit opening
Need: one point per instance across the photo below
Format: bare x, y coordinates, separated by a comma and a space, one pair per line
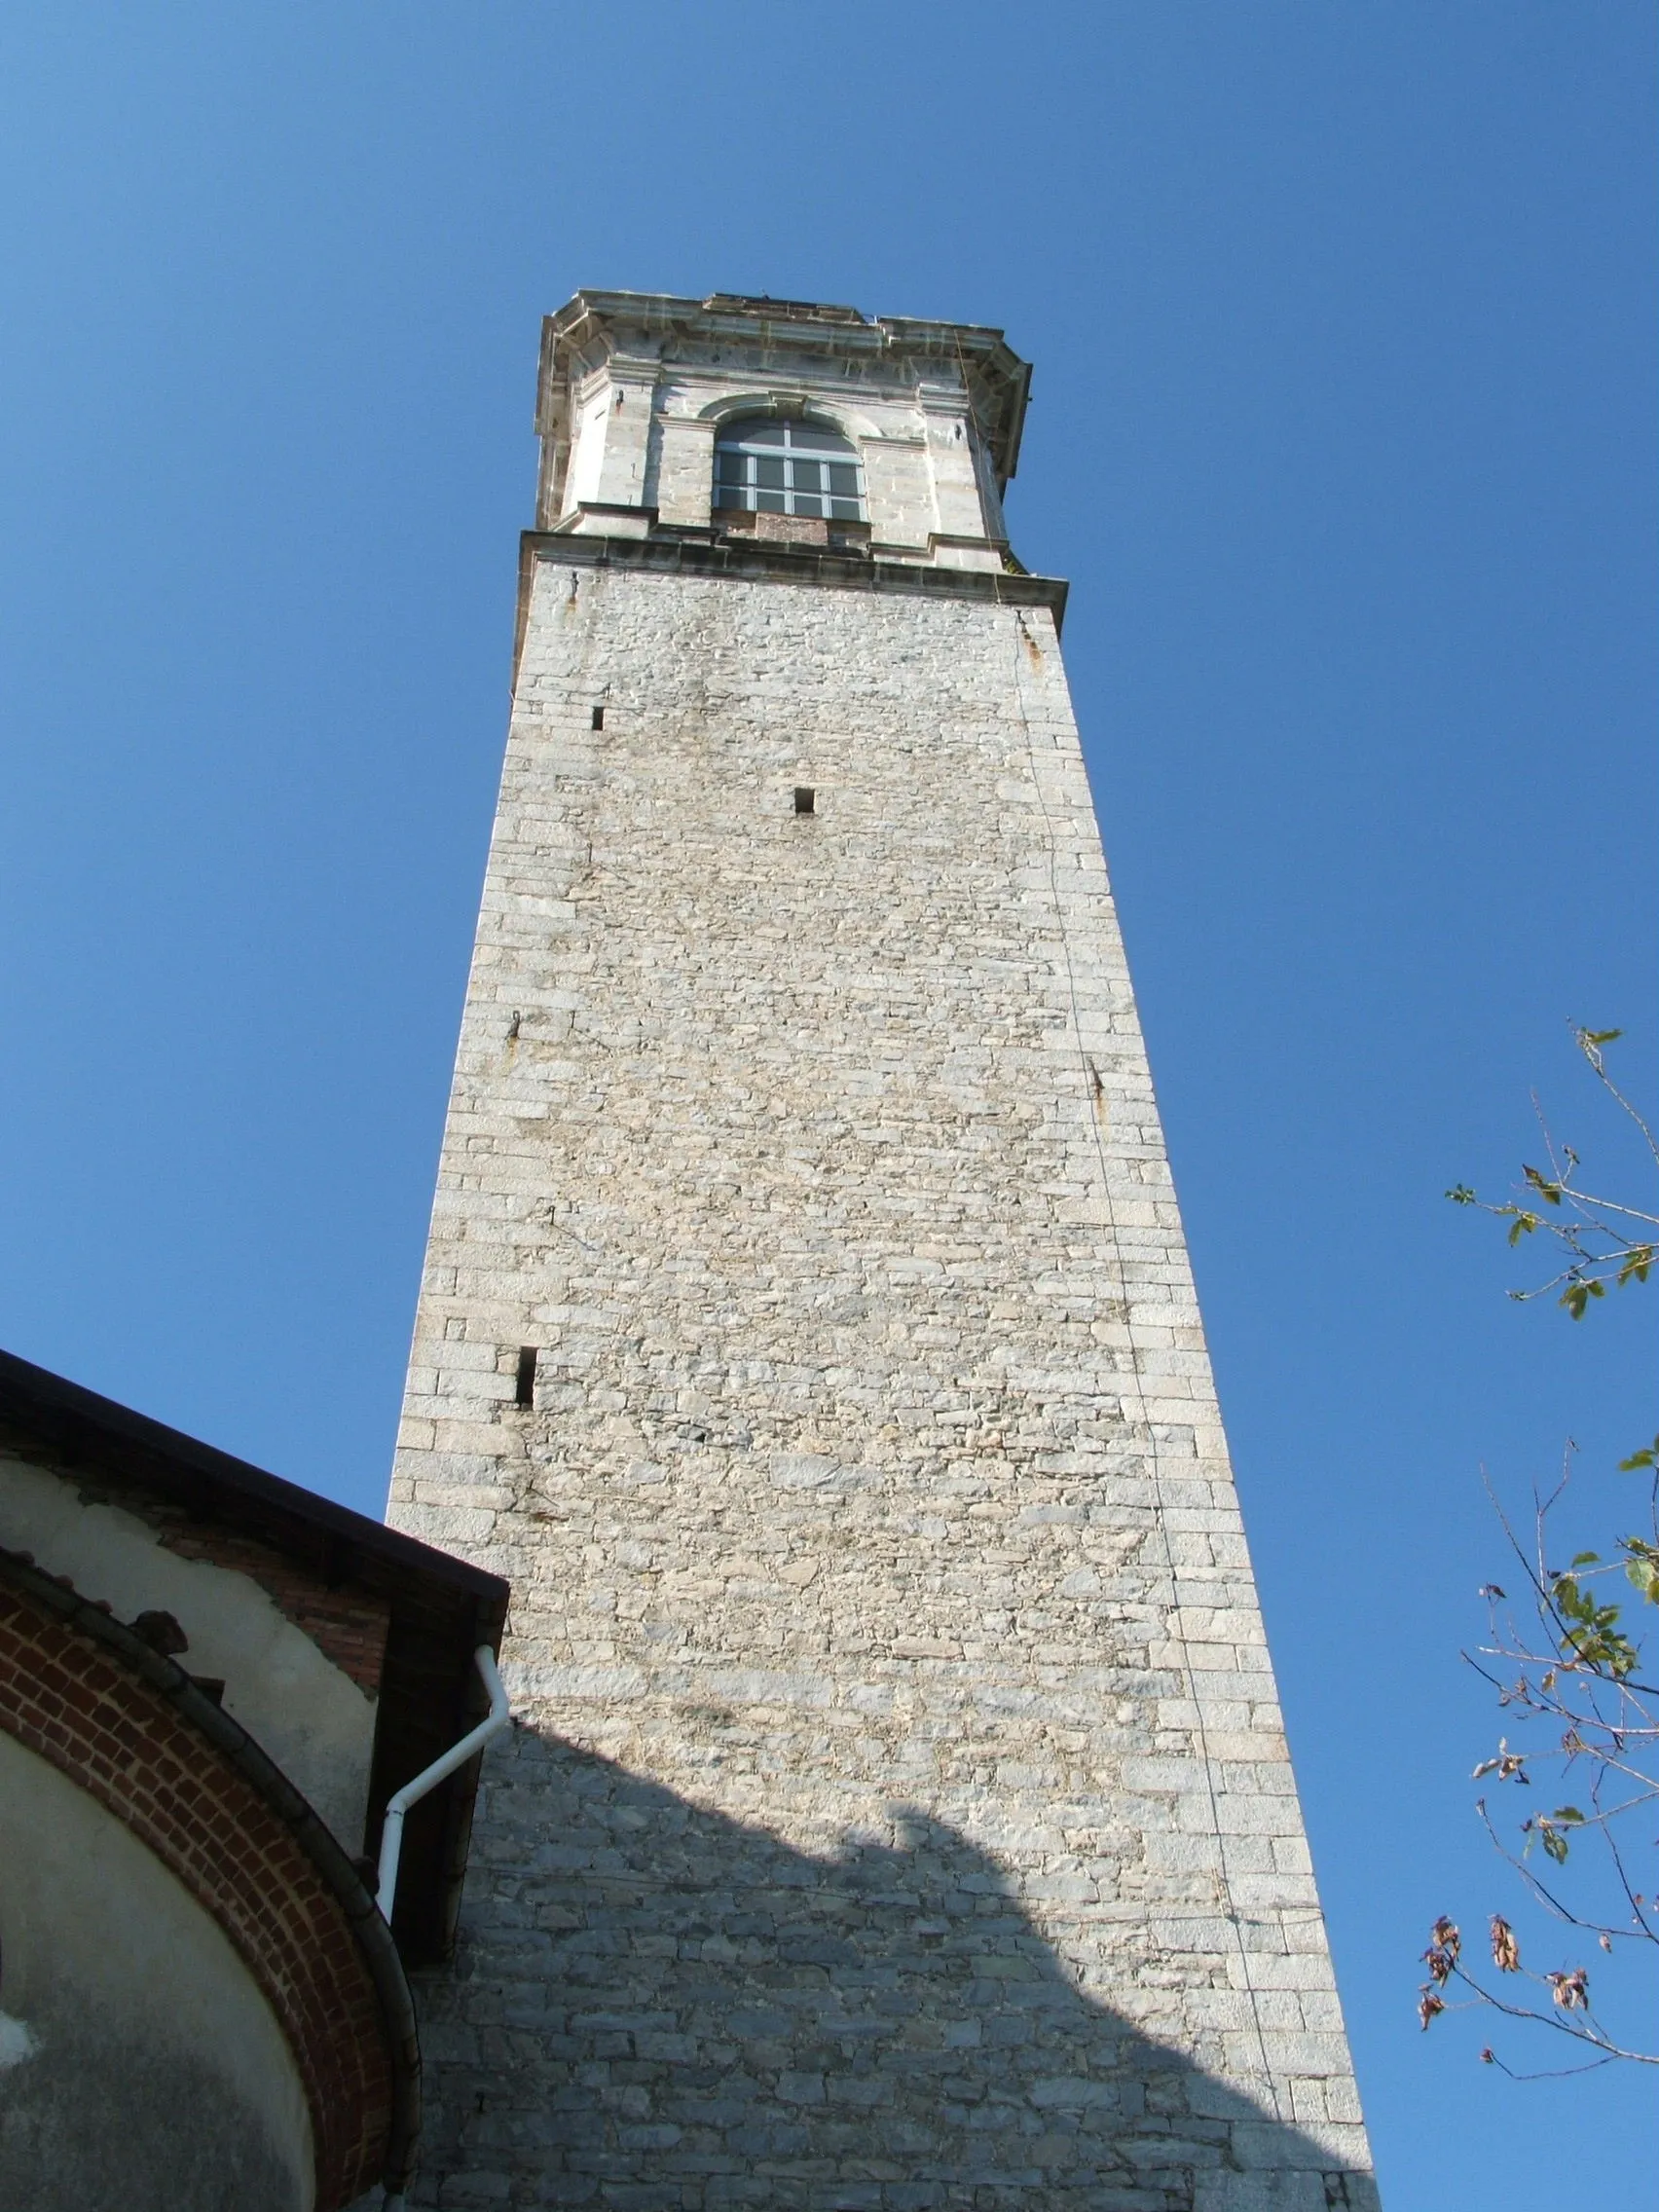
599, 717
805, 798
524, 1390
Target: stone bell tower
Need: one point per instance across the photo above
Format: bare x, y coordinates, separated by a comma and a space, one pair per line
900, 1815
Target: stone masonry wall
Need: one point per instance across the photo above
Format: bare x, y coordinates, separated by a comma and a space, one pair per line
900, 1814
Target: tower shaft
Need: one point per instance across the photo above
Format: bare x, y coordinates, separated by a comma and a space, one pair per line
901, 1815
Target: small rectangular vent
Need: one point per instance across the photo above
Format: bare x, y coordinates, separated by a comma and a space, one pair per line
524, 1389
599, 717
805, 798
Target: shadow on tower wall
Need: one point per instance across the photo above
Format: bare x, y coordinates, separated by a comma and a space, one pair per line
656, 2008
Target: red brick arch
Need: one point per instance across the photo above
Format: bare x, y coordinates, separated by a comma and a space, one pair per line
126, 1726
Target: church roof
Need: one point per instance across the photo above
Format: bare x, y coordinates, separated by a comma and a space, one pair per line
438, 1609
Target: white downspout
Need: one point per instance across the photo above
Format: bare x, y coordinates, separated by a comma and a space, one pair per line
457, 1754
400, 1800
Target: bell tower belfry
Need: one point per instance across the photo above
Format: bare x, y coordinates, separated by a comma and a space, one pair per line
900, 1815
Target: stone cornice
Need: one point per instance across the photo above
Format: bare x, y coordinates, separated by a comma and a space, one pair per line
762, 563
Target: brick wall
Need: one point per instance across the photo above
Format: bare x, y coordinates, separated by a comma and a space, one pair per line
70, 1699
347, 1625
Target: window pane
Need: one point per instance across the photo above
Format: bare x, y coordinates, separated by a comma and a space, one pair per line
845, 510
808, 475
806, 505
755, 433
769, 502
730, 495
769, 471
844, 480
731, 467
808, 437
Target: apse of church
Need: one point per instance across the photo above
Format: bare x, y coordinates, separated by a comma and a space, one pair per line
899, 1814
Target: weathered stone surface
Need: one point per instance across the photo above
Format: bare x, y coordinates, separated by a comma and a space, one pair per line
901, 1814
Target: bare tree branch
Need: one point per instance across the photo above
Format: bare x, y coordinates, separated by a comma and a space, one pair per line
1573, 1677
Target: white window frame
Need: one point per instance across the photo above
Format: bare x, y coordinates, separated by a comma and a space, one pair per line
738, 470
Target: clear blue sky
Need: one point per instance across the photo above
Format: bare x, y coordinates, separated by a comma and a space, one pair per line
1344, 325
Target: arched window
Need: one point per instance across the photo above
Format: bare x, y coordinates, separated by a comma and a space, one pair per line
783, 466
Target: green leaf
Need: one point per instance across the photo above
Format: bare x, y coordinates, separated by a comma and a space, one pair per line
1460, 1194
1598, 1036
1569, 1813
1546, 1189
1586, 1558
1638, 1265
1590, 1632
1523, 1226
1648, 1459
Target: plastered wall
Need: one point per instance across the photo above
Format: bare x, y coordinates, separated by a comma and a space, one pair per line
139, 2064
300, 1708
